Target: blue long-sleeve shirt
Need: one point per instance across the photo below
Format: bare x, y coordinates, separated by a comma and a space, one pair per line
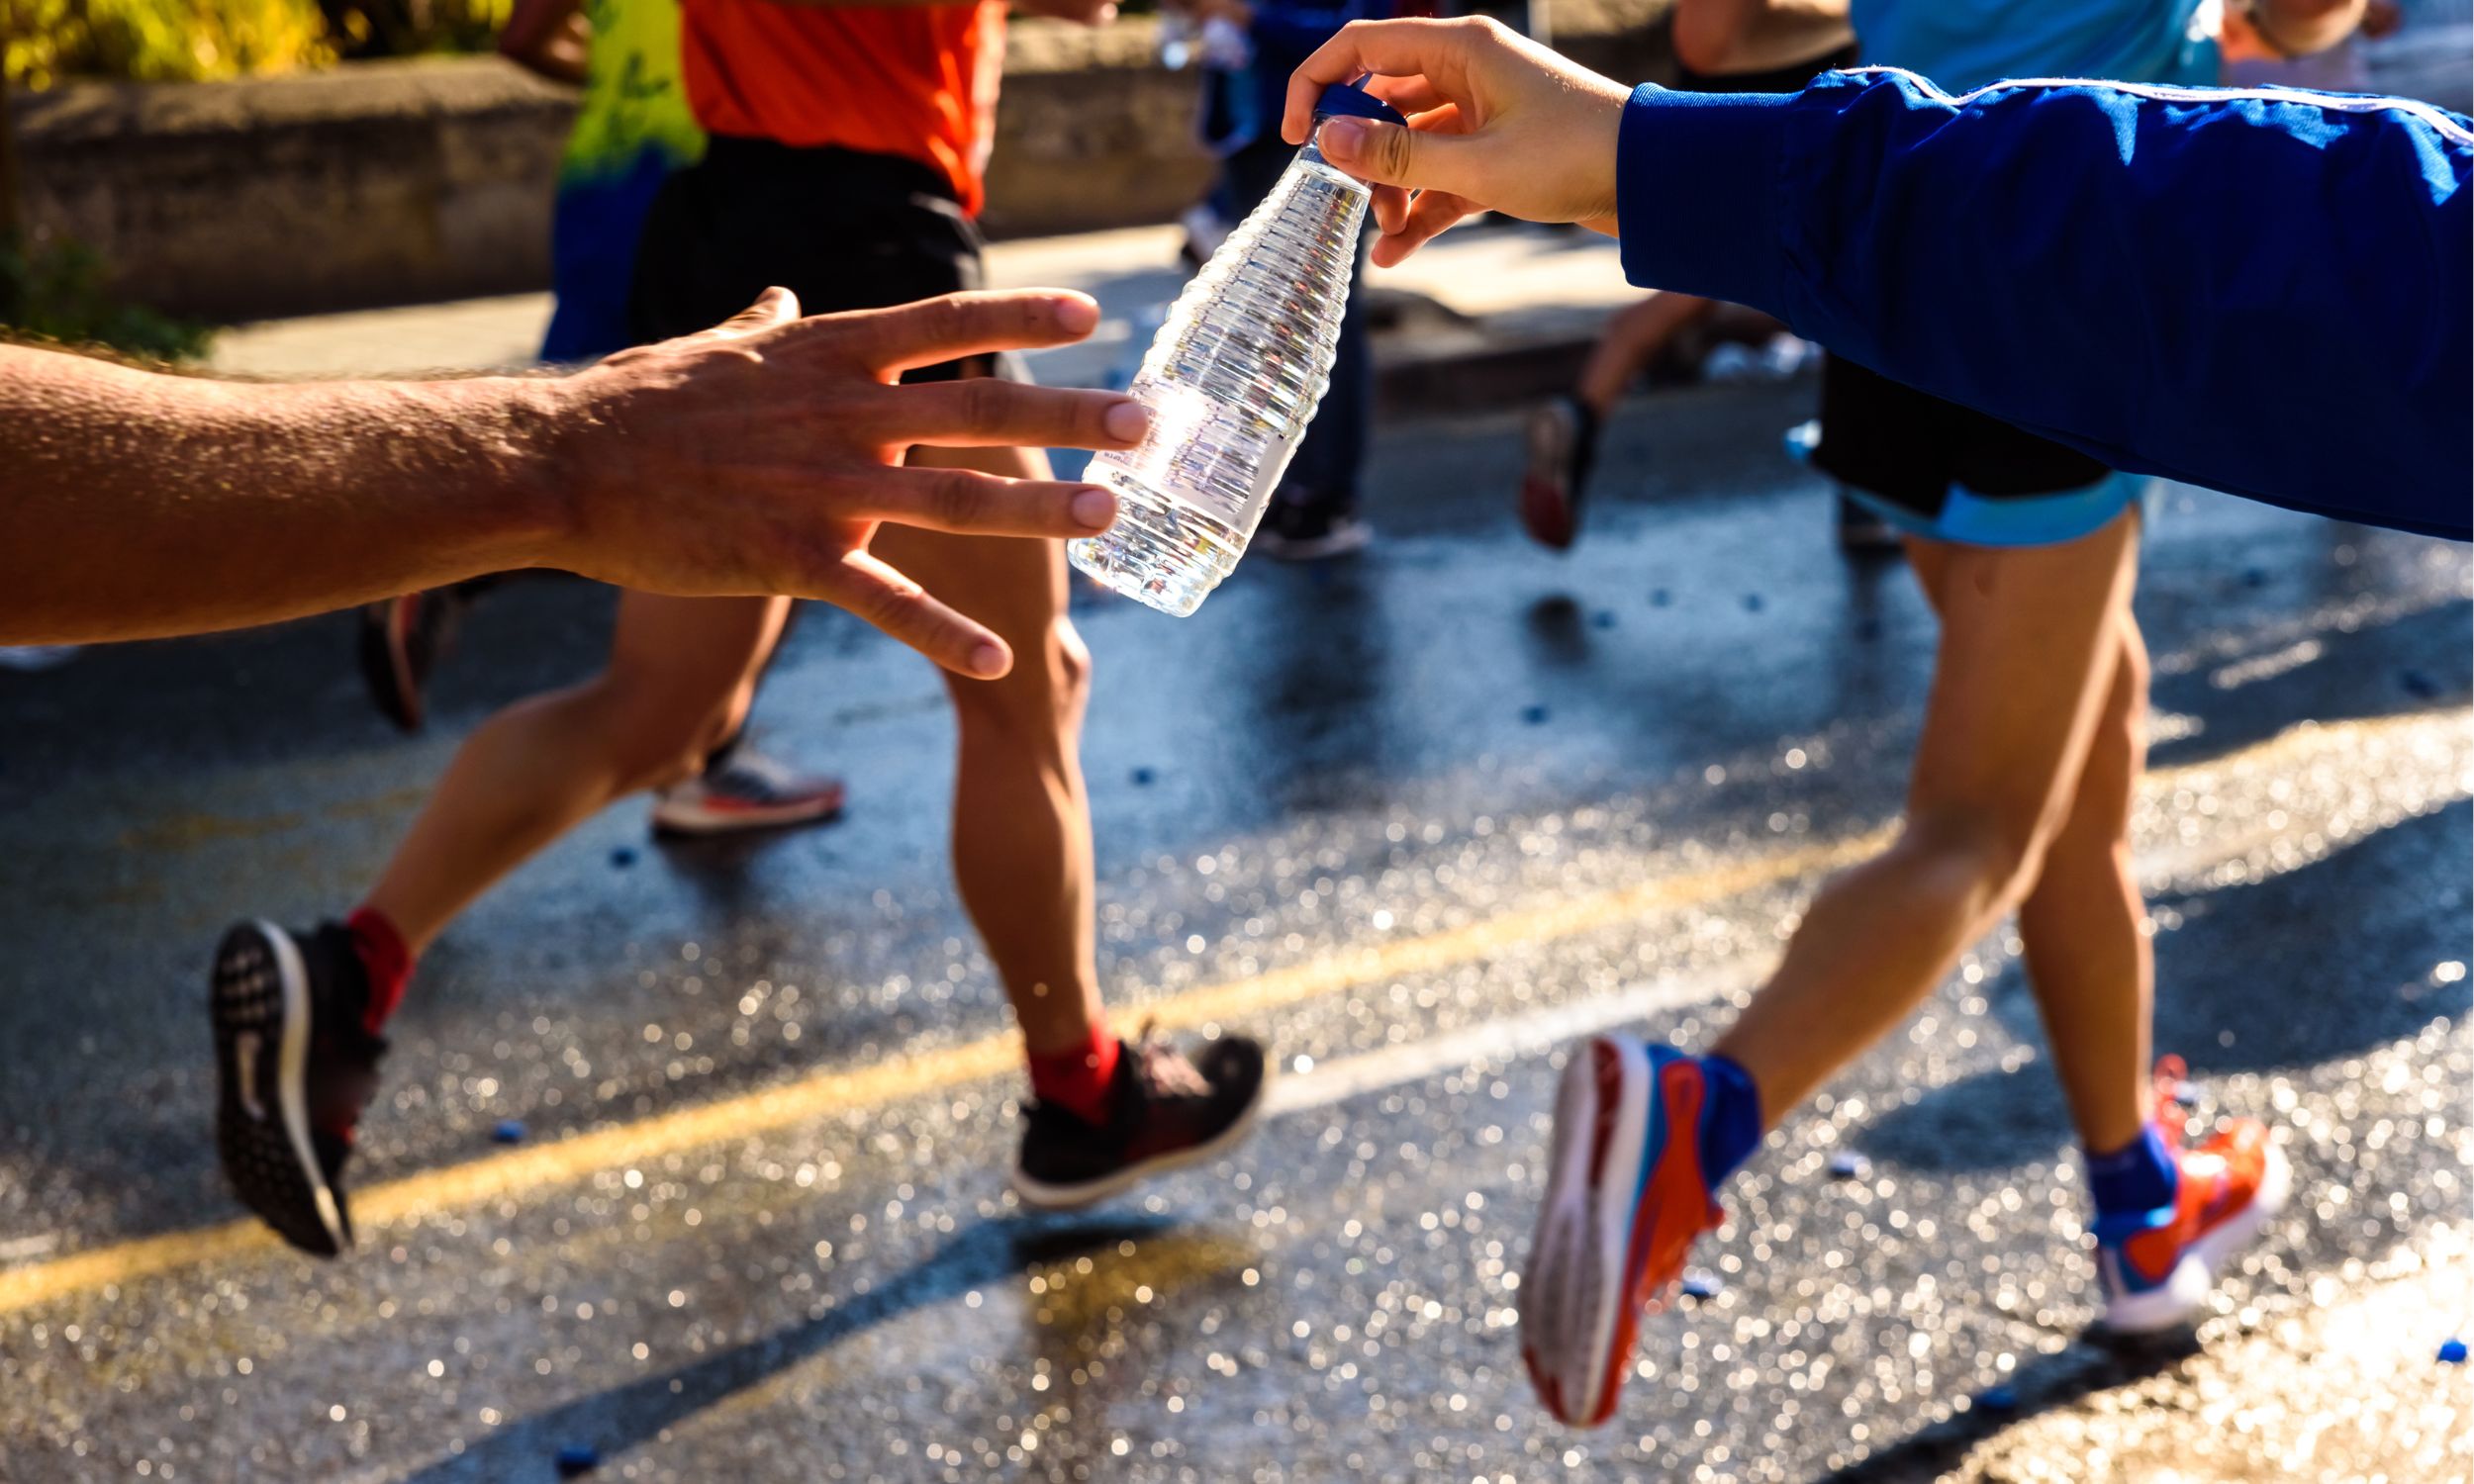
2267, 292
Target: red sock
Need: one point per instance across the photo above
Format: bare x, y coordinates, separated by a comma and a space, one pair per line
386, 961
1078, 1078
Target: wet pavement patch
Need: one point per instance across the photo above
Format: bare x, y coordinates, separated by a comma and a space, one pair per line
1431, 818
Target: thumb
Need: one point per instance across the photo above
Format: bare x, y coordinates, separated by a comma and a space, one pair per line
1389, 155
775, 305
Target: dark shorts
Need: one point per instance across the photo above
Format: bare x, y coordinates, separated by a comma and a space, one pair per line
1934, 468
840, 228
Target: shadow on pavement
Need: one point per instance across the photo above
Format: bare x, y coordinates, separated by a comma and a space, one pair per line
2356, 973
623, 1417
2412, 662
2091, 1363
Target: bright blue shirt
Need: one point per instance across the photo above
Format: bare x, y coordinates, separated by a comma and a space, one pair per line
1966, 44
2263, 291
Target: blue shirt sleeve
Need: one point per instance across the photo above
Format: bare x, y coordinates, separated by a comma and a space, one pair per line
2267, 292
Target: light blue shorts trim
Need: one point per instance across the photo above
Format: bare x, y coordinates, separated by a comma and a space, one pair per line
1971, 519
1974, 519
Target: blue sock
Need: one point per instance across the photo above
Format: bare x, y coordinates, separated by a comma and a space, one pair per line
2138, 1176
1731, 1118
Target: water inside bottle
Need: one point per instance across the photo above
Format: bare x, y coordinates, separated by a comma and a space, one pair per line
1231, 382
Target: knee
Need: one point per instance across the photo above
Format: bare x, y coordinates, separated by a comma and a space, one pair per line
1985, 858
1043, 694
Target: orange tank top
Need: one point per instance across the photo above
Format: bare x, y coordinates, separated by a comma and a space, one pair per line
917, 81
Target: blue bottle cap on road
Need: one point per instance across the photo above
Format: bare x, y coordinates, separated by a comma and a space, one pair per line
1351, 99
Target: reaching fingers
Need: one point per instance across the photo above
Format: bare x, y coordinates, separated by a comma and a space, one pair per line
1438, 51
983, 412
968, 503
867, 587
953, 326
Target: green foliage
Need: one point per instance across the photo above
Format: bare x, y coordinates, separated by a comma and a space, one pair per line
57, 293
43, 41
46, 41
410, 27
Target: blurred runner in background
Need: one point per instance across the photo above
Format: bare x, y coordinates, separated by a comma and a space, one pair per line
843, 161
2257, 53
633, 129
1563, 436
1313, 515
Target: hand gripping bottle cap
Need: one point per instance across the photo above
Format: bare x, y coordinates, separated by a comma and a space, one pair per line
1352, 99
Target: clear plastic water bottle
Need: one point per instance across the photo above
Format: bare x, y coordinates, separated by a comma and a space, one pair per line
1231, 382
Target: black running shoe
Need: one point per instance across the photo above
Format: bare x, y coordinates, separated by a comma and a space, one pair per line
1166, 1112
1563, 444
297, 1067
402, 640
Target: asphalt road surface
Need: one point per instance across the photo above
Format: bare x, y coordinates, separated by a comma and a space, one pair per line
1417, 818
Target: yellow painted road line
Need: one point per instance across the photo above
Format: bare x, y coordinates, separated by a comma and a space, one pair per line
823, 1094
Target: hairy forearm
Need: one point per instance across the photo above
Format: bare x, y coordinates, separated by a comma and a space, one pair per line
1714, 37
134, 504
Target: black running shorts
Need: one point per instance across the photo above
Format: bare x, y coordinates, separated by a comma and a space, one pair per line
1938, 469
841, 228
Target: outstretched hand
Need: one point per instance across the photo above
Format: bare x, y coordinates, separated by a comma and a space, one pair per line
1496, 122
760, 456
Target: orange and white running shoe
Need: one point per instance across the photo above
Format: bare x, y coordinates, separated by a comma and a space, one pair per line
744, 791
1626, 1198
2157, 1268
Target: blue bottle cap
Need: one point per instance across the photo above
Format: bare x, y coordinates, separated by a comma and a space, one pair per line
1351, 99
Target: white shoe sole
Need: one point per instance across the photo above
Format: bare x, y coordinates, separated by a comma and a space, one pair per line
2184, 1293
1572, 1292
1047, 1197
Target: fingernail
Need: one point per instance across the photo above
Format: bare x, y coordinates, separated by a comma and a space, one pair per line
1077, 314
988, 662
1126, 421
1093, 509
1343, 136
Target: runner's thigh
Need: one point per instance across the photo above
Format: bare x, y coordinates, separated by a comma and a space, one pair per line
2027, 640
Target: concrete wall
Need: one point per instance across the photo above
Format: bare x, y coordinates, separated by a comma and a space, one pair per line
406, 182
